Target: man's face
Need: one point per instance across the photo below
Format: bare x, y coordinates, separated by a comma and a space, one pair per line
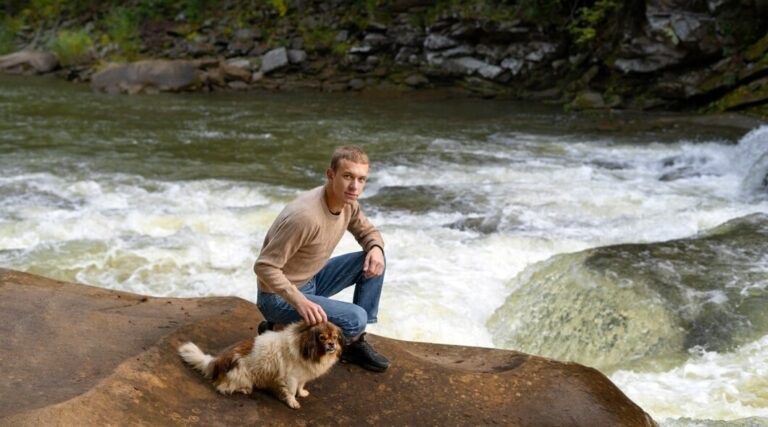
346, 183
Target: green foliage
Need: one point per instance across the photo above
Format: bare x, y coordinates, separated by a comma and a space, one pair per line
153, 9
38, 11
280, 7
584, 26
9, 27
71, 47
539, 11
121, 27
195, 10
499, 10
318, 39
341, 48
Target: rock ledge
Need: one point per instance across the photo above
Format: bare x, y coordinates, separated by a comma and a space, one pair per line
79, 355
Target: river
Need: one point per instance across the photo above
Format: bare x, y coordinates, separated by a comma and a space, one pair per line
171, 195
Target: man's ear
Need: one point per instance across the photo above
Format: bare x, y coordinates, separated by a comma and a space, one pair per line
329, 173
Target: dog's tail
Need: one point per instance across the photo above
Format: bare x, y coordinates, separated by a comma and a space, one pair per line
199, 360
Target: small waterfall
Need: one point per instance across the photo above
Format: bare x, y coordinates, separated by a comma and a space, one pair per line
753, 157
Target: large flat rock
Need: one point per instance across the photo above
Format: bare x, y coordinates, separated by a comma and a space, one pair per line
78, 355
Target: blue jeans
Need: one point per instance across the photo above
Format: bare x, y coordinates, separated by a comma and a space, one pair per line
338, 274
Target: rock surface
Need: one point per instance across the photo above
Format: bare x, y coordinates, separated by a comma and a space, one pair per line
80, 355
149, 75
37, 61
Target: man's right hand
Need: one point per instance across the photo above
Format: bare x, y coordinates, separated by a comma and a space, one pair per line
311, 312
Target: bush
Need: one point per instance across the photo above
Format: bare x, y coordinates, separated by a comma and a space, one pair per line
71, 47
584, 27
122, 29
9, 27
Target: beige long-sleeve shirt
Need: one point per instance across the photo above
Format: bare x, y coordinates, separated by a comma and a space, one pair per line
302, 239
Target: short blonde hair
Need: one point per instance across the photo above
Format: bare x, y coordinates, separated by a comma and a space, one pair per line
352, 153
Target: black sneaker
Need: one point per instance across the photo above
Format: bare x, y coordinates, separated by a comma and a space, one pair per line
361, 353
265, 326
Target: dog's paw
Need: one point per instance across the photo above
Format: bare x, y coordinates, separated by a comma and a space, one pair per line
303, 393
293, 403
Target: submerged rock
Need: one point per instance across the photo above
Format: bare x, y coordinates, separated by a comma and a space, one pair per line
79, 355
144, 76
615, 305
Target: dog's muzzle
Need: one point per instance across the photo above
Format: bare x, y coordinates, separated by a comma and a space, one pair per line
330, 348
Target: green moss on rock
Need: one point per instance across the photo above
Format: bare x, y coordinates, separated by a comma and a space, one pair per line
758, 50
743, 96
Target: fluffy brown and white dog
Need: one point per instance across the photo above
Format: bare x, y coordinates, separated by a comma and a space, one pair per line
281, 362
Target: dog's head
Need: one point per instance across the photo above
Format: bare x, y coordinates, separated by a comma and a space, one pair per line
323, 339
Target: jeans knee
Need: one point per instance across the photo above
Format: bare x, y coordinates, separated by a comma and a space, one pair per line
355, 322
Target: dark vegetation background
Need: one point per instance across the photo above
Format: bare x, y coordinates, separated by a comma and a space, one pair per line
640, 54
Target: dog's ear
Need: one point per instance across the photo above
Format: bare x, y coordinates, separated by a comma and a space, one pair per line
340, 338
309, 344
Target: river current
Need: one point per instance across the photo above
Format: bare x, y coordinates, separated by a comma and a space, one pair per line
171, 195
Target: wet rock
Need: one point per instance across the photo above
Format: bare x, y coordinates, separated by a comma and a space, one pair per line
588, 100
619, 304
407, 35
513, 65
296, 56
490, 72
439, 42
102, 355
238, 85
485, 225
361, 50
201, 46
341, 36
377, 41
458, 51
416, 80
676, 26
150, 75
273, 60
237, 69
539, 51
465, 65
36, 61
491, 53
356, 84
406, 55
647, 56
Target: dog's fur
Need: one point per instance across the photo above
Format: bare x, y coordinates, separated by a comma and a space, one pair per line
281, 362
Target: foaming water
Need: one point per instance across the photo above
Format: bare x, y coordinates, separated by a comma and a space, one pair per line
173, 197
710, 385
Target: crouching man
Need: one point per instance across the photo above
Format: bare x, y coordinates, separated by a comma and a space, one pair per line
296, 278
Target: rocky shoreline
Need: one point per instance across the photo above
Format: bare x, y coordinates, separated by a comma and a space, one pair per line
80, 355
643, 55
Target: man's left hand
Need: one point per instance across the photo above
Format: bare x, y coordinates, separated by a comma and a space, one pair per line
374, 262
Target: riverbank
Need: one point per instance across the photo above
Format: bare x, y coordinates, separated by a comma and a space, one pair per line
640, 55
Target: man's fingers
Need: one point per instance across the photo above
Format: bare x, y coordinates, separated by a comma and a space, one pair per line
314, 314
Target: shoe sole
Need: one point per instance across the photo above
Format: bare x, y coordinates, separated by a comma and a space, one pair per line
372, 368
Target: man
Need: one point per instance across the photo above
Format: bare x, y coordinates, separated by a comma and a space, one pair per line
295, 276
